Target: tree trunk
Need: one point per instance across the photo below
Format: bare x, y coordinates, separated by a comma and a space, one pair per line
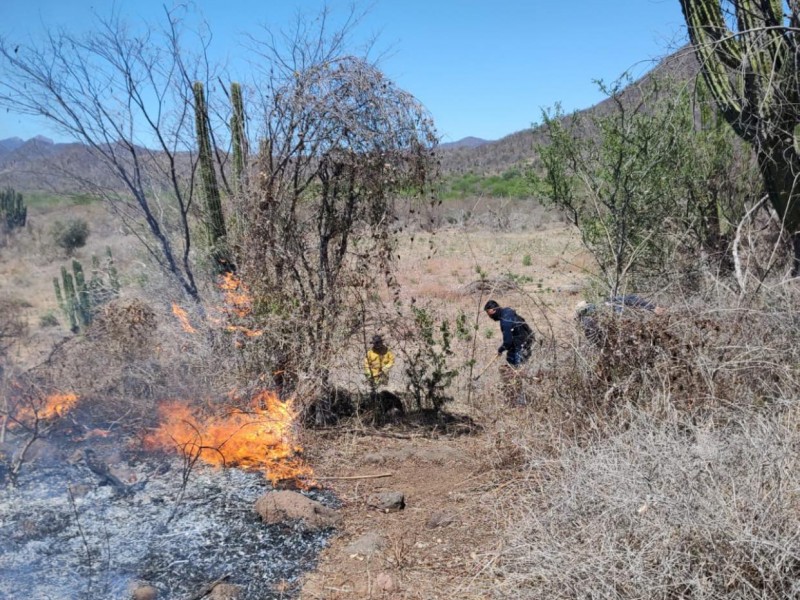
796, 254
780, 166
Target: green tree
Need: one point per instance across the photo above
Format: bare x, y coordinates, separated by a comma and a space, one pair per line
612, 174
749, 55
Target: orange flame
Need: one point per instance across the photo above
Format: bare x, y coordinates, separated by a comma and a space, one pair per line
55, 405
183, 317
237, 303
237, 296
259, 438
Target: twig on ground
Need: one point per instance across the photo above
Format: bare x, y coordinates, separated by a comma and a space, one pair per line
356, 477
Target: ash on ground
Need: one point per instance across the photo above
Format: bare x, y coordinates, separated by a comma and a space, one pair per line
64, 536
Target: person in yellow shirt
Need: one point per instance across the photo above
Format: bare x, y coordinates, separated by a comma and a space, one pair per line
378, 361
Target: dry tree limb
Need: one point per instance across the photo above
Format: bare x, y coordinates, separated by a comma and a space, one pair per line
356, 477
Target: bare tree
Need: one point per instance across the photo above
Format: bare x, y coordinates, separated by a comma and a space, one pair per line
749, 55
339, 141
125, 93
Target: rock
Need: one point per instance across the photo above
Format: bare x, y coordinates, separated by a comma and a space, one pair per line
440, 519
144, 592
384, 582
225, 591
284, 505
374, 458
387, 501
367, 545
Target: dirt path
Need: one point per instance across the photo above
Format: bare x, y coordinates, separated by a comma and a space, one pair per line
438, 546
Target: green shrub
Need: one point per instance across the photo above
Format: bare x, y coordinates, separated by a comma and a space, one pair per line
70, 235
48, 319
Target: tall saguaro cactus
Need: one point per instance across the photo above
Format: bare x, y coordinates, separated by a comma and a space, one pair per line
237, 136
754, 73
215, 221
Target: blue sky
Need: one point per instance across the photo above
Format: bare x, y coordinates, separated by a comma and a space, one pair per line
483, 69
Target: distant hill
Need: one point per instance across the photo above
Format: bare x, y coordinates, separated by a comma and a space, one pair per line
519, 148
39, 164
10, 144
467, 142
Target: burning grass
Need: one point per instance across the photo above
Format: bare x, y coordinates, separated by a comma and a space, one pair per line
258, 438
55, 405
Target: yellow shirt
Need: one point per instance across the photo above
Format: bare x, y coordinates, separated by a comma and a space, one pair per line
376, 364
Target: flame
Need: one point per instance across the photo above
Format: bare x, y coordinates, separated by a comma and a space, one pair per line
237, 304
237, 296
183, 317
259, 438
54, 405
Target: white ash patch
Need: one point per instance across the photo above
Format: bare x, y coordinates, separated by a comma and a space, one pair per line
93, 545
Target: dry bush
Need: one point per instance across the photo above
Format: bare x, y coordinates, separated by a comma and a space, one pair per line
126, 328
662, 512
663, 464
12, 324
693, 360
135, 355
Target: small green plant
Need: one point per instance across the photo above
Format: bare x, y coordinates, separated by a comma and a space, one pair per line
488, 333
70, 235
48, 319
463, 327
526, 260
427, 370
519, 279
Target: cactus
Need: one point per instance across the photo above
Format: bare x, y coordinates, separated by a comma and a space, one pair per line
83, 305
237, 136
753, 76
215, 221
13, 211
70, 302
79, 299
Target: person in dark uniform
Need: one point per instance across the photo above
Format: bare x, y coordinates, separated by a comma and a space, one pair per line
517, 344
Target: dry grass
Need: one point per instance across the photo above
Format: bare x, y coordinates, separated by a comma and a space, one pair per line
662, 465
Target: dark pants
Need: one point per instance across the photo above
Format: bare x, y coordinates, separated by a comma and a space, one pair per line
518, 355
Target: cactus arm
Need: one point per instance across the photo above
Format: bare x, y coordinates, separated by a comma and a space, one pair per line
69, 299
720, 55
237, 135
214, 220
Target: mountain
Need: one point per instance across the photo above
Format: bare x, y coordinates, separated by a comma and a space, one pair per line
40, 164
520, 148
467, 142
10, 144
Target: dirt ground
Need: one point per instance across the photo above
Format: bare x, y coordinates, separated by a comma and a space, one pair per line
436, 547
443, 543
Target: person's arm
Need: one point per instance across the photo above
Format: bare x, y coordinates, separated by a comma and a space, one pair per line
370, 365
634, 301
388, 360
506, 325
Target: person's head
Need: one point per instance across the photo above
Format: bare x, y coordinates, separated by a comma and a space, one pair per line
492, 309
378, 344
